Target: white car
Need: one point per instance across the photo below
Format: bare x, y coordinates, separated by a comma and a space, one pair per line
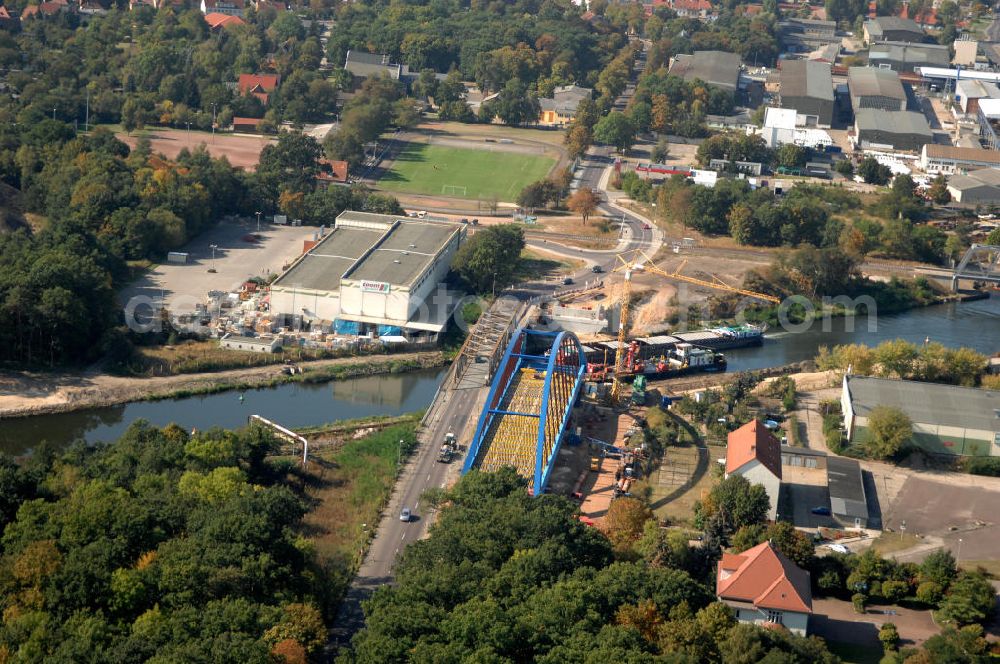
406, 515
838, 548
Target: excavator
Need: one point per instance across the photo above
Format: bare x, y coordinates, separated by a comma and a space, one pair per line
639, 261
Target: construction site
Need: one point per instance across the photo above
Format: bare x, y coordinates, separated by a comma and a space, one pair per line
569, 416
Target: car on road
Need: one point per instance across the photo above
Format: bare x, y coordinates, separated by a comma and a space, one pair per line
771, 424
406, 515
838, 548
568, 281
597, 269
821, 511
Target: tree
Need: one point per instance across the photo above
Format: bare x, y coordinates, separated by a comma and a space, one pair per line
872, 172
888, 429
735, 502
792, 156
660, 151
845, 167
994, 237
888, 636
625, 521
290, 164
583, 202
490, 257
970, 599
938, 190
615, 129
578, 139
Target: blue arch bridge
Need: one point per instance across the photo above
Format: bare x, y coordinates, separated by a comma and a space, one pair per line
528, 408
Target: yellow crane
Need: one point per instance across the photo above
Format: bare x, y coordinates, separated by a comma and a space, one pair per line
640, 262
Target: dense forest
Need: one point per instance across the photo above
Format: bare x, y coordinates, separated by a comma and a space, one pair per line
162, 547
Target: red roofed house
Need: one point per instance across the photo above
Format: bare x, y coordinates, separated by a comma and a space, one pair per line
755, 453
763, 587
331, 172
217, 21
259, 85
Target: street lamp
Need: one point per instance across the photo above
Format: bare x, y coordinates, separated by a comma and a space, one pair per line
958, 558
53, 112
399, 454
258, 221
213, 122
189, 128
213, 247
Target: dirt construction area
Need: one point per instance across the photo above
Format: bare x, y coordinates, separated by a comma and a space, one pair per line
242, 150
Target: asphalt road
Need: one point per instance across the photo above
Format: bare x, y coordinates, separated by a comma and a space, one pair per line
422, 472
993, 31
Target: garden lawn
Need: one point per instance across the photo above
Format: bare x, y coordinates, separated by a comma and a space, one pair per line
463, 173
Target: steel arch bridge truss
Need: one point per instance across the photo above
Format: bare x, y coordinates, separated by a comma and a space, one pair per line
529, 405
981, 262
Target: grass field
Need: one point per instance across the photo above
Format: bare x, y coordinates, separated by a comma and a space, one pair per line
462, 173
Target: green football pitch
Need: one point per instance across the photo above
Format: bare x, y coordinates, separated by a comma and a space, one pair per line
463, 173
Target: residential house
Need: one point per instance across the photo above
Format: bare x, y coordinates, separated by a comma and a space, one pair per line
763, 587
231, 7
331, 172
136, 4
754, 452
807, 86
951, 160
264, 5
560, 109
719, 69
8, 20
258, 85
894, 130
363, 65
218, 21
50, 8
875, 88
893, 28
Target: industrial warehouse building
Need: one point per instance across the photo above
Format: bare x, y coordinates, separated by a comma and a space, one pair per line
895, 130
807, 86
974, 187
374, 274
946, 419
949, 160
893, 28
875, 88
904, 56
719, 69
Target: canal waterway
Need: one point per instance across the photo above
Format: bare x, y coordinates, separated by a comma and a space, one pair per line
973, 324
291, 404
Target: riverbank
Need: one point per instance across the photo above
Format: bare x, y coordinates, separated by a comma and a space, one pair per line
27, 394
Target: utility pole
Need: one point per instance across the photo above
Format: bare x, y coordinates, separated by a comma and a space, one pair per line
213, 122
53, 112
86, 116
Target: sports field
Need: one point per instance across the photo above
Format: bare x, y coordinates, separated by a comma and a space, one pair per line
463, 173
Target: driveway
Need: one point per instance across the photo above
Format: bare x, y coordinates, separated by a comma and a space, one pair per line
835, 620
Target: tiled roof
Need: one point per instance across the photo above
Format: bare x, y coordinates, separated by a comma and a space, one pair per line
215, 20
753, 441
764, 576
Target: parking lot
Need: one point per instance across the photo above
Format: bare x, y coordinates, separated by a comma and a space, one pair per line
238, 257
951, 512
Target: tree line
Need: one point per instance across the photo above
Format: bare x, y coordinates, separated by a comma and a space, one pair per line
164, 546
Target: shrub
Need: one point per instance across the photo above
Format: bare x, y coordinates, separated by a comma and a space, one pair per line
929, 592
893, 591
859, 600
888, 635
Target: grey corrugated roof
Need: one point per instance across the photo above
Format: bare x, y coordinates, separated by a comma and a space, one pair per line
928, 403
984, 177
880, 24
872, 82
719, 68
565, 99
805, 78
323, 266
921, 54
365, 64
403, 254
893, 122
847, 491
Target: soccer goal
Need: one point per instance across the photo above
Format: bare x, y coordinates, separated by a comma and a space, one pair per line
452, 190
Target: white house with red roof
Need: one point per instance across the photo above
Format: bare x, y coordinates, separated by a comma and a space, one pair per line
753, 452
764, 587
